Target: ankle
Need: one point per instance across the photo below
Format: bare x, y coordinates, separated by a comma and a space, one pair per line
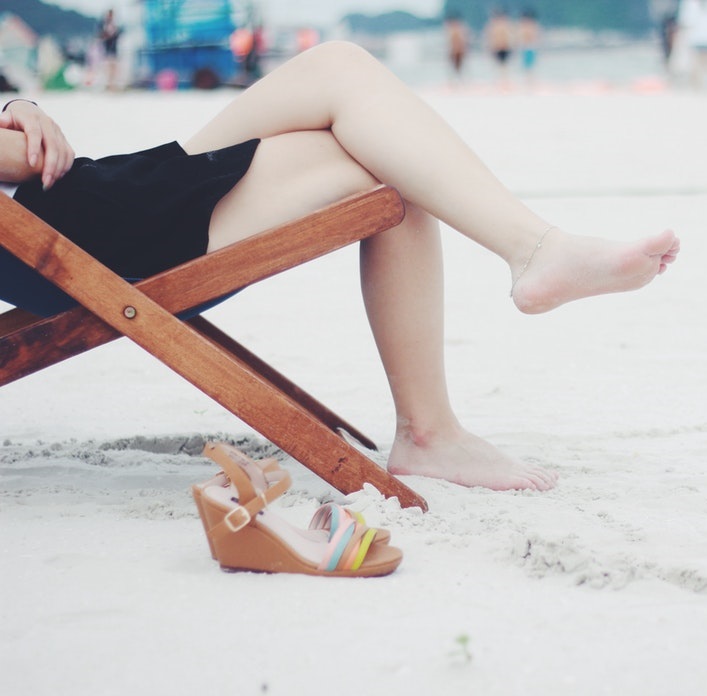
527, 253
424, 436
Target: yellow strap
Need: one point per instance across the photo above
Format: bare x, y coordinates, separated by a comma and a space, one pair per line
363, 548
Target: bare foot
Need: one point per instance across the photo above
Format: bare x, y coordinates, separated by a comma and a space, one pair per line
466, 460
568, 267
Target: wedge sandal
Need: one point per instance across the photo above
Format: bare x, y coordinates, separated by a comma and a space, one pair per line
244, 535
217, 451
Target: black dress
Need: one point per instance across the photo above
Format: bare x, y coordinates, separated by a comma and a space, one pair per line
144, 212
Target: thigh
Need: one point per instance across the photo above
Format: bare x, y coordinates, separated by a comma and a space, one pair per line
291, 175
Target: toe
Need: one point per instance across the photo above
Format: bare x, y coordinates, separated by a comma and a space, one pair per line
543, 485
548, 479
661, 243
523, 483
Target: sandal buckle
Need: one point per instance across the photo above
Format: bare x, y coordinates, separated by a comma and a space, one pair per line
244, 520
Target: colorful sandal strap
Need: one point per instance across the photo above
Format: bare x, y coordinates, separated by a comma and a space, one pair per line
359, 551
349, 540
342, 529
323, 516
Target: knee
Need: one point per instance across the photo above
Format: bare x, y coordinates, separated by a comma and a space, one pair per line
344, 54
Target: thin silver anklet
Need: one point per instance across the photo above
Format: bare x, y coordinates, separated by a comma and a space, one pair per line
532, 254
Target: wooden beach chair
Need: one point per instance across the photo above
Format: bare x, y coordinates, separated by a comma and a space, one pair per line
162, 314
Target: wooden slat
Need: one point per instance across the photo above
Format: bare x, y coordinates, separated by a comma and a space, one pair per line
279, 381
273, 251
16, 319
46, 342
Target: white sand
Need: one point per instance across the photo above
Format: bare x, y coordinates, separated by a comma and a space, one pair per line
598, 587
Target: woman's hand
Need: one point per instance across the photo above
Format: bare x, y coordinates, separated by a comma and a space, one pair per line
44, 139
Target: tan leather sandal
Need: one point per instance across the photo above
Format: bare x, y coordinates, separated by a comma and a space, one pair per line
244, 535
217, 453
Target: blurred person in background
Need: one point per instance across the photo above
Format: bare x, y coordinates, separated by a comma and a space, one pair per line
692, 21
668, 32
528, 40
458, 39
109, 33
499, 37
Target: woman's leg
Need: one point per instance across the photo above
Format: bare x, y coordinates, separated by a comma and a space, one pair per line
385, 127
335, 122
401, 274
401, 141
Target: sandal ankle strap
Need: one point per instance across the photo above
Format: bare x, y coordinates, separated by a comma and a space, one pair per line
252, 478
241, 470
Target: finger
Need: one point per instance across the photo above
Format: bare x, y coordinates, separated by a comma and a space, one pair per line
51, 155
65, 152
58, 155
68, 155
49, 171
33, 132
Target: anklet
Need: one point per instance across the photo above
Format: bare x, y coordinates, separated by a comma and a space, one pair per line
532, 254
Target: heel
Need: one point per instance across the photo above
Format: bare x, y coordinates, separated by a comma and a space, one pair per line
197, 492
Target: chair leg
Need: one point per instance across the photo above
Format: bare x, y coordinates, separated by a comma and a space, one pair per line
296, 431
279, 381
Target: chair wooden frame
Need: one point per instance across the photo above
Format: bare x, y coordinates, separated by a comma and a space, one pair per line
110, 307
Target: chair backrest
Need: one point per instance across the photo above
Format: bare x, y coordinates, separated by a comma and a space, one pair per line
205, 282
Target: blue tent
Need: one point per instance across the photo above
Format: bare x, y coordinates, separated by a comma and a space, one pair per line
190, 37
